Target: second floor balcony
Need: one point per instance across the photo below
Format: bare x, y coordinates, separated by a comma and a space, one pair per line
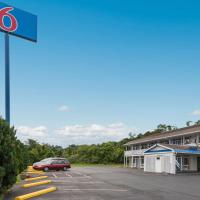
135, 152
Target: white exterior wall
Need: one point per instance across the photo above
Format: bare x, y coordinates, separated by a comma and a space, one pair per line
173, 163
193, 163
166, 163
149, 163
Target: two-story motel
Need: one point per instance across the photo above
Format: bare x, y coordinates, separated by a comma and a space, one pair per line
168, 152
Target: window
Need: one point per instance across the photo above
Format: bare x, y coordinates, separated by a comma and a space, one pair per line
142, 162
54, 162
144, 146
135, 162
165, 142
128, 148
185, 163
176, 141
59, 162
137, 147
187, 140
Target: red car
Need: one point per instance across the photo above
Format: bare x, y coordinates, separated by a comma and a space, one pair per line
52, 164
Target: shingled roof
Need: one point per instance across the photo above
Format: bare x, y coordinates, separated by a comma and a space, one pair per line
168, 134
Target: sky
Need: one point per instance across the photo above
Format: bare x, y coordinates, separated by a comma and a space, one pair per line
104, 68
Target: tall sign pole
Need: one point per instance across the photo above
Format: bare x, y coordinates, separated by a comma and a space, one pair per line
7, 79
14, 21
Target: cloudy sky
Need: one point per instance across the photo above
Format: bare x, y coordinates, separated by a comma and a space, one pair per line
104, 68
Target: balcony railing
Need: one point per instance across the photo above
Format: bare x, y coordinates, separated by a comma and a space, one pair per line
135, 152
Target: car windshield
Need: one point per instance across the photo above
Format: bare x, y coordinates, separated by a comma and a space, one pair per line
46, 159
45, 162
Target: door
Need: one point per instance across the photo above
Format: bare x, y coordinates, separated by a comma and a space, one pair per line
136, 162
53, 165
158, 165
198, 164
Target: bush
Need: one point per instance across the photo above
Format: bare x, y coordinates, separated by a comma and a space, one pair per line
10, 156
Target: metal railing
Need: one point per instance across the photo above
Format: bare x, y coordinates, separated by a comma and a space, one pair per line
135, 152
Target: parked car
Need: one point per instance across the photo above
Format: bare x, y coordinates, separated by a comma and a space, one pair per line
52, 164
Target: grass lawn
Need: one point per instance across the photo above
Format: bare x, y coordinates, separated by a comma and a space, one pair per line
97, 165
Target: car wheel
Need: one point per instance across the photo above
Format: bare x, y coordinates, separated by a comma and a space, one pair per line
65, 168
46, 169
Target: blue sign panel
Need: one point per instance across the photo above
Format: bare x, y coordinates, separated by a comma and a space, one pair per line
18, 22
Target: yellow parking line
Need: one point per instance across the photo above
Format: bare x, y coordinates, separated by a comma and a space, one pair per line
35, 172
36, 183
35, 194
36, 178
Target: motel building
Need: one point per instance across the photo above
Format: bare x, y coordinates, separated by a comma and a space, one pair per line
169, 152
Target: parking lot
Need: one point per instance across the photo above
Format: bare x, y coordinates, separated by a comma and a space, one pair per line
104, 183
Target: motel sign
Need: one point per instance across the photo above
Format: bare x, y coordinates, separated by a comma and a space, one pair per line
14, 21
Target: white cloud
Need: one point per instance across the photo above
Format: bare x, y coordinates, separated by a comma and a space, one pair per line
93, 133
75, 134
37, 133
196, 112
63, 108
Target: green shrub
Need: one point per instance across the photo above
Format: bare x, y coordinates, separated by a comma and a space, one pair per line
11, 162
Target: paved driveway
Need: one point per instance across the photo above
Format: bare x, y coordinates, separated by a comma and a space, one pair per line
99, 183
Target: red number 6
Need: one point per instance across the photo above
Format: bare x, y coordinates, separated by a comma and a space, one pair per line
4, 12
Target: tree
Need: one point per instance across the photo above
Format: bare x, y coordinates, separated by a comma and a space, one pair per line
188, 123
197, 122
11, 157
132, 135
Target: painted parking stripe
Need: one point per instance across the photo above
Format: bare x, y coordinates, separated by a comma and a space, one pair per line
68, 175
54, 175
114, 190
86, 176
78, 173
82, 182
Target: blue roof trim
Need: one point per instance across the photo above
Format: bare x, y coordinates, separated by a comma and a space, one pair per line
187, 151
158, 151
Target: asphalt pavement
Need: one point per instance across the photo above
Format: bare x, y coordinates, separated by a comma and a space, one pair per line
106, 183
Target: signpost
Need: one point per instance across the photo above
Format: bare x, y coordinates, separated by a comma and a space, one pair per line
14, 21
